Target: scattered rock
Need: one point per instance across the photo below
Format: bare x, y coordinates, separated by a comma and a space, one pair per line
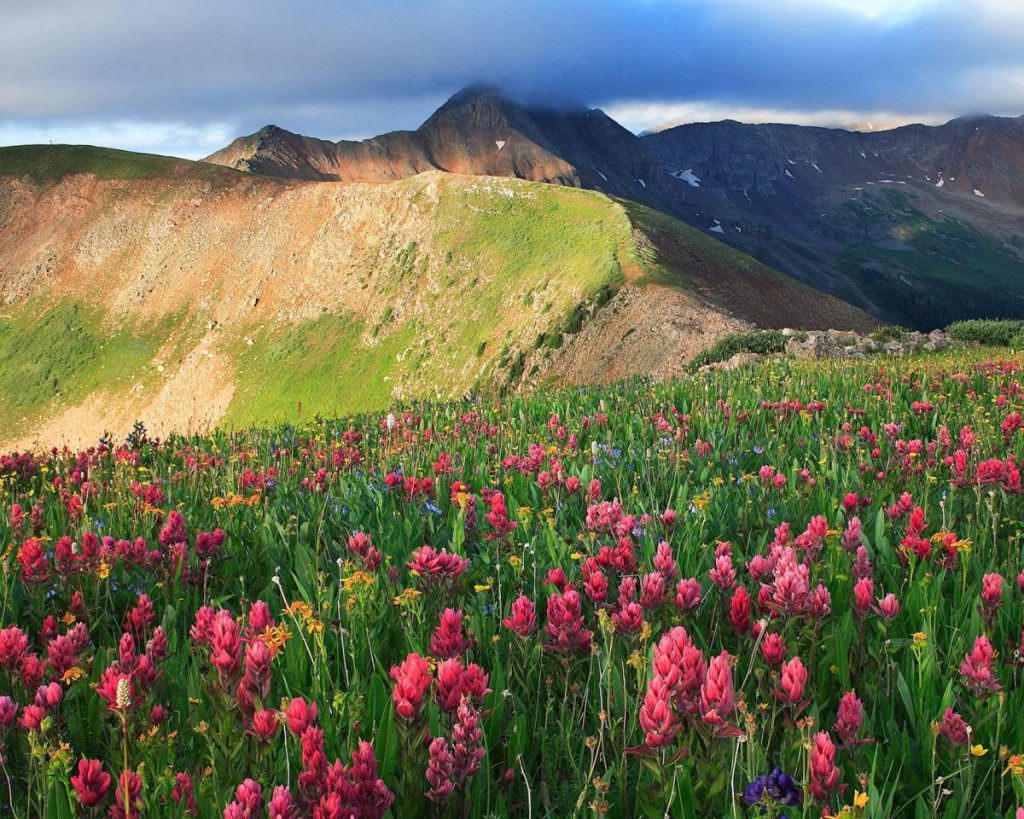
736, 362
841, 344
848, 344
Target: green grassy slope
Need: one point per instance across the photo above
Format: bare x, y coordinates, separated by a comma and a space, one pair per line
928, 270
505, 274
49, 162
512, 273
56, 356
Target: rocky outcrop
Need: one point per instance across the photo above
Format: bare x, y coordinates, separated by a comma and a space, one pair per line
848, 344
844, 344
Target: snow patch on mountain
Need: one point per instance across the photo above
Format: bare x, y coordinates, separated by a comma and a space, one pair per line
687, 176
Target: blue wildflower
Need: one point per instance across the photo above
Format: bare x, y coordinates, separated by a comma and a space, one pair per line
771, 790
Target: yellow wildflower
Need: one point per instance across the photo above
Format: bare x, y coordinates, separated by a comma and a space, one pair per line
72, 674
276, 637
406, 597
357, 581
300, 609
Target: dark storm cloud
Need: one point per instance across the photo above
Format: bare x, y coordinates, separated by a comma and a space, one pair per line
357, 68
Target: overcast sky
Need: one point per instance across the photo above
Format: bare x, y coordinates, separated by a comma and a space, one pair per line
184, 77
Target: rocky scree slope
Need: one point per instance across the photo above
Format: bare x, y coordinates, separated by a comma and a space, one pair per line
187, 295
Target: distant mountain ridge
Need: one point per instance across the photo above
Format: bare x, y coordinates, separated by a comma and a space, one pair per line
917, 224
476, 132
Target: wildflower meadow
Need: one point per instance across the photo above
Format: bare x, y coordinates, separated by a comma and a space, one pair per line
791, 591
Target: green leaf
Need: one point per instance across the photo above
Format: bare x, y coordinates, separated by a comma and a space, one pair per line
58, 802
881, 542
908, 701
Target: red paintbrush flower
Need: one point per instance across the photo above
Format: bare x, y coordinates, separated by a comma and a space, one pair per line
447, 639
523, 617
824, 773
716, 694
91, 783
412, 679
792, 682
849, 718
300, 715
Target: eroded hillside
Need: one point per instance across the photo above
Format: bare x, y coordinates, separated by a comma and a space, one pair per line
188, 296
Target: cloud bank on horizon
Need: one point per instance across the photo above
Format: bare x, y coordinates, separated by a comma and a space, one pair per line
185, 78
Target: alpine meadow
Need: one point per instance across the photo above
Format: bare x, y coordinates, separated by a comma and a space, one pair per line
567, 410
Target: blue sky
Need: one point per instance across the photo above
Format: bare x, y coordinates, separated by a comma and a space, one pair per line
185, 77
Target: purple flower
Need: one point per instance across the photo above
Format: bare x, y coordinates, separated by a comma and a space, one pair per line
776, 788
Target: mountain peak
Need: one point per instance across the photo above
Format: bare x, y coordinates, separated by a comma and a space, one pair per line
476, 91
473, 101
272, 130
491, 94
